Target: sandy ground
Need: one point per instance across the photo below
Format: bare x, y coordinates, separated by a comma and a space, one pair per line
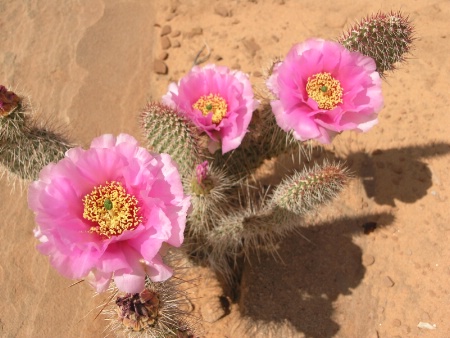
90, 65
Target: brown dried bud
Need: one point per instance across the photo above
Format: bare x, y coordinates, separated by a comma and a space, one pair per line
9, 101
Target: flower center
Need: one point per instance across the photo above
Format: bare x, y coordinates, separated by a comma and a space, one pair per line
325, 90
112, 209
212, 103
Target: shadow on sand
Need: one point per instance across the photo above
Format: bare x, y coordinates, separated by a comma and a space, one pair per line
302, 287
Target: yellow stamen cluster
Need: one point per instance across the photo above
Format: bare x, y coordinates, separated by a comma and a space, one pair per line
212, 103
112, 209
325, 90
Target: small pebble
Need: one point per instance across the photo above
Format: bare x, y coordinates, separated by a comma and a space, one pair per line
377, 152
165, 42
194, 32
218, 58
166, 30
176, 44
159, 67
163, 55
170, 16
428, 326
396, 168
396, 323
368, 260
222, 11
396, 181
380, 165
369, 227
175, 34
251, 46
388, 282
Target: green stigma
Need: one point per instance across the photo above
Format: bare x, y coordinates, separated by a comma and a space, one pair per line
209, 106
108, 204
324, 88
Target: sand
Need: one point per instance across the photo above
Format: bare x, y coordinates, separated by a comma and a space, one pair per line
90, 66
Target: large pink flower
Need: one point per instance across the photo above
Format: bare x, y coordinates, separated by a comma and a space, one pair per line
322, 89
104, 213
219, 101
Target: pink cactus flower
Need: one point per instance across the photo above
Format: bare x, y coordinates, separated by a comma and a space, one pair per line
104, 213
220, 102
322, 89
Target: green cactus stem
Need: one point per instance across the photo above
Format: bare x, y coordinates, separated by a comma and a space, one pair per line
385, 37
167, 131
310, 188
31, 151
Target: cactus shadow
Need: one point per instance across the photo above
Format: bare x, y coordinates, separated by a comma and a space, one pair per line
396, 174
302, 287
386, 175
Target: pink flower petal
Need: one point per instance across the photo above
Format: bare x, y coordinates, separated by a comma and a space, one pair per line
296, 111
232, 86
65, 235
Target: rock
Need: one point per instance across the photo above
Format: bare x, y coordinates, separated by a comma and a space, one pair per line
159, 67
251, 46
194, 32
388, 282
166, 30
397, 168
377, 152
165, 42
218, 58
428, 326
170, 16
175, 34
163, 55
396, 323
222, 11
368, 260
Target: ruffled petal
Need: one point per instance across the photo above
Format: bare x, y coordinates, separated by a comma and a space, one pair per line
295, 110
65, 234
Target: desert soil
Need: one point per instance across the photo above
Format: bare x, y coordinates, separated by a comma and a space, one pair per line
93, 65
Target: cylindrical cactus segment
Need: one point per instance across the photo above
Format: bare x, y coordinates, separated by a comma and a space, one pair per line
31, 151
385, 37
168, 131
310, 188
